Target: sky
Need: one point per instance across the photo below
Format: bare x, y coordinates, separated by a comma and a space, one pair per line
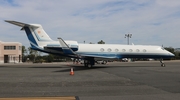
151, 22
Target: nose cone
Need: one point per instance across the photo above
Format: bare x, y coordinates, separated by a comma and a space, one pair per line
171, 54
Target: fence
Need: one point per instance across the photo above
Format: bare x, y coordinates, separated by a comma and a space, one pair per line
10, 59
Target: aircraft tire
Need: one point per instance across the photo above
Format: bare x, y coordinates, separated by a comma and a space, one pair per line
162, 65
89, 66
104, 62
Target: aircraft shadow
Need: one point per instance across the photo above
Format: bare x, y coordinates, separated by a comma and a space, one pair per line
80, 68
3, 66
47, 67
132, 66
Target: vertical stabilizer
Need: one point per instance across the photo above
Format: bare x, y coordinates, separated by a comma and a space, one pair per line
35, 33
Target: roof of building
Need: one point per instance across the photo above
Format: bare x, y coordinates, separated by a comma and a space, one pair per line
10, 43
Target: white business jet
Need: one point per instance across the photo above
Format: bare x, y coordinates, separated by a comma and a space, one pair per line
39, 40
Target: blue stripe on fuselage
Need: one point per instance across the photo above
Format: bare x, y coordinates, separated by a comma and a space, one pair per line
115, 55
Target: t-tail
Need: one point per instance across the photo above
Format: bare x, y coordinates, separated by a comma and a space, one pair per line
38, 38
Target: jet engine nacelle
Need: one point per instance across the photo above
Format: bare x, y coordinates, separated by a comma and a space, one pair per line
72, 44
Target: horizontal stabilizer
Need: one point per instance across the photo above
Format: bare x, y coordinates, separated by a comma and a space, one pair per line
19, 23
65, 47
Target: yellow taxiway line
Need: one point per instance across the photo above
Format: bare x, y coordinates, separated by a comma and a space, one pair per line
41, 98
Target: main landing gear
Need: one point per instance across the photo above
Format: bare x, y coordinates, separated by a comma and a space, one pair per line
89, 62
162, 63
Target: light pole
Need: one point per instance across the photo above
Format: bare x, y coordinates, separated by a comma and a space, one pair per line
128, 36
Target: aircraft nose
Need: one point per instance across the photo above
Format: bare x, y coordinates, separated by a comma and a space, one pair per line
170, 54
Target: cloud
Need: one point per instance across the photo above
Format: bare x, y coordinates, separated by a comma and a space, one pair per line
168, 3
150, 21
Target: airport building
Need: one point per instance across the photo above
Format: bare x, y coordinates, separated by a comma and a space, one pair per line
10, 52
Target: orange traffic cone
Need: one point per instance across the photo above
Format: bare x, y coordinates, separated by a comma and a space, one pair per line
72, 72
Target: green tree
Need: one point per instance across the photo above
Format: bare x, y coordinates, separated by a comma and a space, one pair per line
50, 58
32, 54
101, 42
24, 51
170, 49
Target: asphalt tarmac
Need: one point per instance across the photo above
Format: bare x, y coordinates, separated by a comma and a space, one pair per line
114, 81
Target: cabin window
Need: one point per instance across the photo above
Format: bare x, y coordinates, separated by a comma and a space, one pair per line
116, 50
137, 50
130, 50
144, 50
109, 50
102, 50
123, 50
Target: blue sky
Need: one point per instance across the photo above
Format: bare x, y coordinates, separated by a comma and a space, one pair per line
151, 22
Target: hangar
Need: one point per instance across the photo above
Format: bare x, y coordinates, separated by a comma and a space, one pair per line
10, 52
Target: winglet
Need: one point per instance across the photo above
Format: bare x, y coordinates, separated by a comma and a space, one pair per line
65, 47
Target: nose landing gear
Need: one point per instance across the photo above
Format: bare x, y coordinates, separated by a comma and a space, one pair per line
162, 63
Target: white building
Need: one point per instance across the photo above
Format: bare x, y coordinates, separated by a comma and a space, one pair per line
10, 52
177, 50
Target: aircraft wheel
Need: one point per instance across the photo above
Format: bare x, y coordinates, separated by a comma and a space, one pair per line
162, 65
104, 62
89, 66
